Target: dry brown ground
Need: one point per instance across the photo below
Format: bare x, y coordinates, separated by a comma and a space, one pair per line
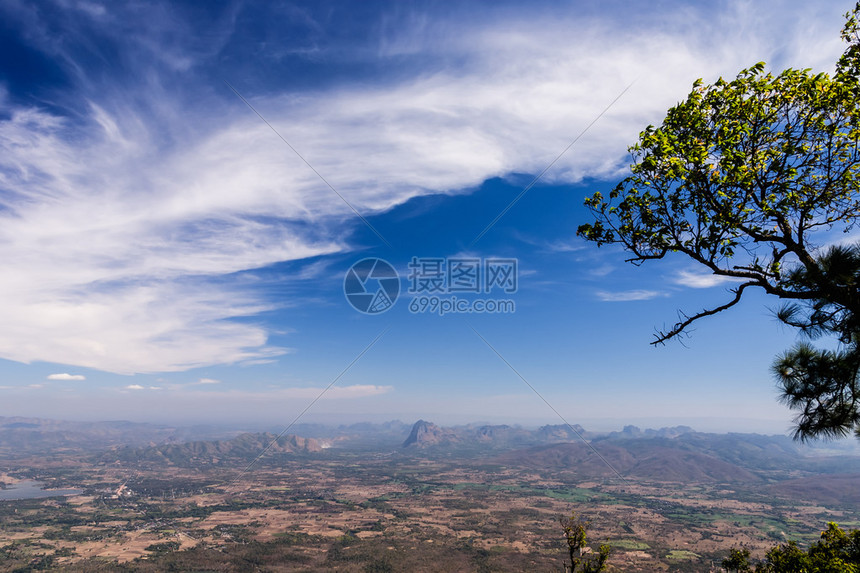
320, 500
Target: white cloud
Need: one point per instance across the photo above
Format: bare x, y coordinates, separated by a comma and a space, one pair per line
137, 387
66, 376
628, 295
92, 9
699, 280
602, 270
113, 225
564, 246
205, 381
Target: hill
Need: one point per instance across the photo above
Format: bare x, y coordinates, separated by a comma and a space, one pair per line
670, 454
644, 461
242, 449
23, 437
427, 434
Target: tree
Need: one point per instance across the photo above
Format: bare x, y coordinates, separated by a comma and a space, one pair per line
750, 178
738, 561
835, 551
582, 558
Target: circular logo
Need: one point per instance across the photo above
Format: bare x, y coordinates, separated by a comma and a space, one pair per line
371, 286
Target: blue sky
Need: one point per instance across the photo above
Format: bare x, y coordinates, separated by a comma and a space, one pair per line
166, 256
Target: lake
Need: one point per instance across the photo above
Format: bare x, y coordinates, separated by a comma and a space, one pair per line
33, 490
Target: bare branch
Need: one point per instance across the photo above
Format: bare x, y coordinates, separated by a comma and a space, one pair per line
662, 337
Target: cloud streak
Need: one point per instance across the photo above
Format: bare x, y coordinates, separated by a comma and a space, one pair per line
699, 280
628, 295
65, 376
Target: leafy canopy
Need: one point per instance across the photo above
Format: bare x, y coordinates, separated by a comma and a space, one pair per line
582, 558
835, 551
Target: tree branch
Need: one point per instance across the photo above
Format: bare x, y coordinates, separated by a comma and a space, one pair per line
662, 337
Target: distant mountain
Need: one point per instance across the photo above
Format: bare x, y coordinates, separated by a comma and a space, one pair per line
36, 436
561, 433
22, 437
658, 455
643, 460
427, 434
245, 447
752, 451
634, 432
668, 454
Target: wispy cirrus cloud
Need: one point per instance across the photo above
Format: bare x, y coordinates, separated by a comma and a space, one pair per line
564, 246
601, 271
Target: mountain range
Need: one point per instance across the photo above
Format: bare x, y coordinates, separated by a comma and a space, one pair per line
240, 449
667, 454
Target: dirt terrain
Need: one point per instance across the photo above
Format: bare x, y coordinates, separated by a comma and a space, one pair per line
347, 511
